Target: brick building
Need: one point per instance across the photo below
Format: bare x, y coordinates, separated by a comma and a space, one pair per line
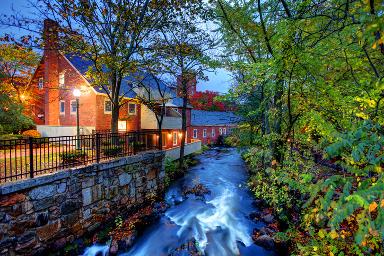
54, 109
208, 126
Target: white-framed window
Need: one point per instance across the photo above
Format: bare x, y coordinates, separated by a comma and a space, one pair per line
195, 133
41, 83
205, 133
62, 107
174, 138
62, 80
132, 109
213, 132
73, 107
221, 131
224, 131
107, 107
122, 125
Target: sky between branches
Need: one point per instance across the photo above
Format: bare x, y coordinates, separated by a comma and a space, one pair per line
219, 80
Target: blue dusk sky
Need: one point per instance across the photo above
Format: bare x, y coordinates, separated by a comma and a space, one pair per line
219, 80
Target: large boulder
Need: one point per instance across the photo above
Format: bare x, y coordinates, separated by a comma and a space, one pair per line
265, 241
268, 218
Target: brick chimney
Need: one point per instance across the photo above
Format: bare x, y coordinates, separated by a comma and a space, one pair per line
191, 84
51, 72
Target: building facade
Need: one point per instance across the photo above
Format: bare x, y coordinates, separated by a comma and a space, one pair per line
211, 126
55, 109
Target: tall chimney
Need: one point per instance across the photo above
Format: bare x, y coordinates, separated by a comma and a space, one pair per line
51, 72
191, 84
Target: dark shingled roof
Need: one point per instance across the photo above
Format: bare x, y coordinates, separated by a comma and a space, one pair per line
208, 118
82, 65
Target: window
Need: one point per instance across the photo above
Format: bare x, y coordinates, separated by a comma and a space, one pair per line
224, 131
213, 132
41, 83
107, 107
62, 107
174, 138
204, 133
61, 80
122, 125
194, 133
131, 108
221, 131
73, 106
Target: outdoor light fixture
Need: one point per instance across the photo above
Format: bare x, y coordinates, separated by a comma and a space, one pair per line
77, 94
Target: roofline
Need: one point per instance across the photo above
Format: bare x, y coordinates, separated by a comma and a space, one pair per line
94, 90
34, 73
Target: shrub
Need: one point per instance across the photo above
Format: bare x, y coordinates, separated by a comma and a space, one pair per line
31, 133
72, 156
113, 151
7, 140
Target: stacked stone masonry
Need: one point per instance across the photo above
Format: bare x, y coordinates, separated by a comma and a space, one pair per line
52, 210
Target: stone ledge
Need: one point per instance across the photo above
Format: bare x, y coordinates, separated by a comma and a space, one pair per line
16, 186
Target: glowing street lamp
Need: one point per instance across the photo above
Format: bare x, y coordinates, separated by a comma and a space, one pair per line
77, 94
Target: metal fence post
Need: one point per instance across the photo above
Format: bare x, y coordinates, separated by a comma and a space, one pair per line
97, 147
31, 169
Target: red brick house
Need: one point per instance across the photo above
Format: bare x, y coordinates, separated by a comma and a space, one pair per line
54, 109
208, 126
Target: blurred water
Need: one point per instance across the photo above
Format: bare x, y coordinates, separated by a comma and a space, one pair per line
218, 222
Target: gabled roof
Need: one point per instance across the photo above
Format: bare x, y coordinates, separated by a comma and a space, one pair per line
208, 118
127, 90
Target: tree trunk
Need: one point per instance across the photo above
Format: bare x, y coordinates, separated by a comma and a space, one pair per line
160, 128
115, 117
183, 127
115, 94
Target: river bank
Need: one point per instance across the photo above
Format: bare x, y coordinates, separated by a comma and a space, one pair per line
209, 212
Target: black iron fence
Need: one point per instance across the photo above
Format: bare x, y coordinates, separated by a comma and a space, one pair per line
27, 158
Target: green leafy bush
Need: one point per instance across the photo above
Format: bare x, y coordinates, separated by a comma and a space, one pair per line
9, 140
73, 156
112, 151
327, 210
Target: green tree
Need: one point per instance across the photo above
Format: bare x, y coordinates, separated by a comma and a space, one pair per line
183, 46
111, 34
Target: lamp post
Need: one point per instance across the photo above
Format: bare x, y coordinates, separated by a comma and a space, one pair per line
77, 93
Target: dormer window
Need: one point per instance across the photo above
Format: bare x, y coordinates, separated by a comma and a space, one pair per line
61, 80
41, 83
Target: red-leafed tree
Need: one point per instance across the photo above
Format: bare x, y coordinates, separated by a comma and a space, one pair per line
207, 101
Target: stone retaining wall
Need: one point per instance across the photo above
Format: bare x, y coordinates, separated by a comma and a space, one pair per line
50, 211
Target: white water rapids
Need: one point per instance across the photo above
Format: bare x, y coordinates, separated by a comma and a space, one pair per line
218, 223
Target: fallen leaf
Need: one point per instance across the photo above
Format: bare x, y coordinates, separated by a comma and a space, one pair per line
372, 206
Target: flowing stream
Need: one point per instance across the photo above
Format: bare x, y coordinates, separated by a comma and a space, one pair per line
218, 222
